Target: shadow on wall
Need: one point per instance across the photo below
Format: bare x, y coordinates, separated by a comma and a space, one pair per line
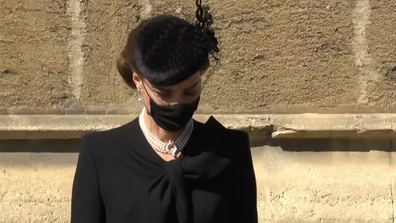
40, 146
288, 145
333, 145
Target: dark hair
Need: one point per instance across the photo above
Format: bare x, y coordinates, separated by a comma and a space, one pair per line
167, 49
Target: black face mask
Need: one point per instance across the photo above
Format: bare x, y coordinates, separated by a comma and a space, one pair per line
172, 118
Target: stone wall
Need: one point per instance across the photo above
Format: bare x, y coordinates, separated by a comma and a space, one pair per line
276, 56
279, 59
299, 181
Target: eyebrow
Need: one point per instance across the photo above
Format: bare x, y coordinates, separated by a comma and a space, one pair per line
168, 90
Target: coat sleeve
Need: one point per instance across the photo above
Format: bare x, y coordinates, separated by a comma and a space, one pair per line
86, 201
244, 197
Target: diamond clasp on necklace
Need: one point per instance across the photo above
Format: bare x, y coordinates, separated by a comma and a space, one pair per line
171, 148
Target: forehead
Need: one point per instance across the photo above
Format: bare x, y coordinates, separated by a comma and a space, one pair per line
190, 82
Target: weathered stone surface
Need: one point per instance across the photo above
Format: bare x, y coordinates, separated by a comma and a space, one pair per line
260, 127
324, 187
285, 55
35, 187
380, 36
34, 39
318, 185
107, 24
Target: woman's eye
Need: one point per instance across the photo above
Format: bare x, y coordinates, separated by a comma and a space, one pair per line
163, 94
190, 93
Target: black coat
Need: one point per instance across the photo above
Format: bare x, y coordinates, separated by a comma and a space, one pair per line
120, 179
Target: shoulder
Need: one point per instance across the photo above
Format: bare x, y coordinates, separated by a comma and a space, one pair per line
104, 135
99, 140
213, 125
238, 140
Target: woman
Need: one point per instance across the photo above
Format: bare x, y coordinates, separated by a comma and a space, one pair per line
165, 167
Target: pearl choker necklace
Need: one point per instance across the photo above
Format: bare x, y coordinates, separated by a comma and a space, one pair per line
170, 147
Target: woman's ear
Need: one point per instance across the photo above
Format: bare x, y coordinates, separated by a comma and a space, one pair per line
137, 79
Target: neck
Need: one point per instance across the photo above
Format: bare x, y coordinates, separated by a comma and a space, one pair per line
158, 132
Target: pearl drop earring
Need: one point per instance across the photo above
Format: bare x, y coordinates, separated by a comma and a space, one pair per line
140, 92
